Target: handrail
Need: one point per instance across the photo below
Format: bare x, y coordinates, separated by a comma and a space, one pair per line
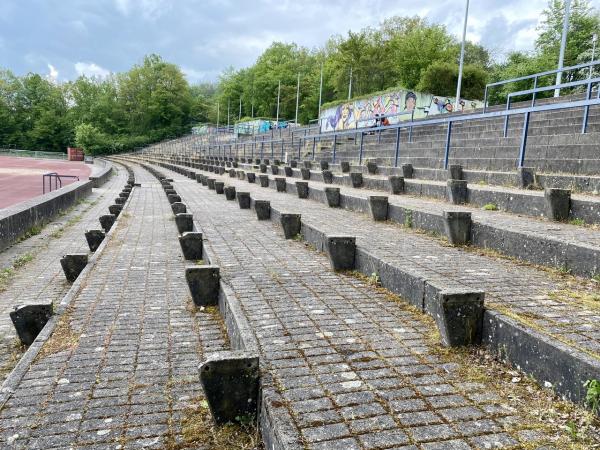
57, 180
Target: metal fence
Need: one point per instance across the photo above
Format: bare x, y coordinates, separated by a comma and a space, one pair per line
32, 154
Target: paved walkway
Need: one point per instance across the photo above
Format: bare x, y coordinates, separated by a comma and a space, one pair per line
121, 367
39, 275
561, 307
354, 368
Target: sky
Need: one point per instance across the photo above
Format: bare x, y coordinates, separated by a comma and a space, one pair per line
63, 39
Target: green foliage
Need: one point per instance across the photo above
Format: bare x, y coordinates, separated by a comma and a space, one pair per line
592, 397
490, 207
441, 78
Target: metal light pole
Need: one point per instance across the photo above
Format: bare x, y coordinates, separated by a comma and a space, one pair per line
462, 58
228, 105
218, 117
594, 40
278, 96
563, 44
350, 85
240, 115
297, 98
320, 91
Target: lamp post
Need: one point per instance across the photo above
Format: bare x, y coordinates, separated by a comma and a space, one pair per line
240, 115
278, 96
320, 92
228, 106
218, 117
297, 98
563, 44
594, 40
462, 58
350, 85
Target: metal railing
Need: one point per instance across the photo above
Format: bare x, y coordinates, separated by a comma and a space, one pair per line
57, 180
535, 77
32, 154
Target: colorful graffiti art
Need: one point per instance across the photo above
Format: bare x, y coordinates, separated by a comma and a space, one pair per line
388, 108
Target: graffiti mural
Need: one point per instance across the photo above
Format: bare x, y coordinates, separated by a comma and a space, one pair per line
389, 108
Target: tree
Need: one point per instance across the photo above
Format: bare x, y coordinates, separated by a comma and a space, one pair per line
441, 78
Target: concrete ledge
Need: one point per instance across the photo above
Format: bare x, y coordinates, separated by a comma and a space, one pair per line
101, 176
17, 220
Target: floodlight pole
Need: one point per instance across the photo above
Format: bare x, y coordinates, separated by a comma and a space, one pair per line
320, 92
563, 44
350, 85
218, 117
297, 97
228, 105
240, 115
594, 40
278, 96
462, 58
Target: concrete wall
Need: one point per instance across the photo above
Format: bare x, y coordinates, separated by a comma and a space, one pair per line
101, 172
16, 220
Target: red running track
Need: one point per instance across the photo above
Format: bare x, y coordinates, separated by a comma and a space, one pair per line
21, 178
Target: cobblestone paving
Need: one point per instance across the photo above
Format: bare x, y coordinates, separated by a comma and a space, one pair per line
42, 277
355, 368
121, 367
536, 298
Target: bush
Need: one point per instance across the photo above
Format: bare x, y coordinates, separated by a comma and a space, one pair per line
440, 78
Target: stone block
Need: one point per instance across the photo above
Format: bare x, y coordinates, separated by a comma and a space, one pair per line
263, 168
333, 196
229, 192
307, 165
264, 180
174, 198
257, 161
289, 172
107, 221
396, 184
456, 191
525, 177
191, 245
170, 191
305, 173
266, 161
184, 222
222, 170
203, 282
302, 189
178, 208
356, 178
293, 163
204, 180
251, 177
345, 165
291, 224
263, 209
324, 165
29, 320
231, 383
115, 209
94, 238
327, 176
235, 164
378, 207
455, 172
73, 264
459, 317
211, 183
557, 203
244, 200
458, 227
341, 251
280, 184
372, 167
275, 170
407, 171
219, 187
241, 175
232, 173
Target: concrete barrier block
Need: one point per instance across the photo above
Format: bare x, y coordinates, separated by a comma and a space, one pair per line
324, 165
456, 191
275, 170
174, 198
257, 161
276, 162
263, 209
191, 245
557, 203
211, 183
219, 187
241, 175
293, 163
94, 238
378, 207
280, 184
244, 200
264, 180
341, 251
29, 320
356, 178
73, 264
229, 192
263, 168
307, 165
251, 177
407, 171
203, 282
457, 225
305, 173
345, 165
333, 196
107, 221
288, 171
232, 173
455, 172
372, 167
184, 222
178, 208
327, 176
235, 164
459, 317
231, 383
115, 209
170, 191
291, 224
266, 161
525, 177
396, 184
302, 189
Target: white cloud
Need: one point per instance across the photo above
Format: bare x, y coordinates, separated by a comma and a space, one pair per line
53, 73
91, 70
197, 76
149, 9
